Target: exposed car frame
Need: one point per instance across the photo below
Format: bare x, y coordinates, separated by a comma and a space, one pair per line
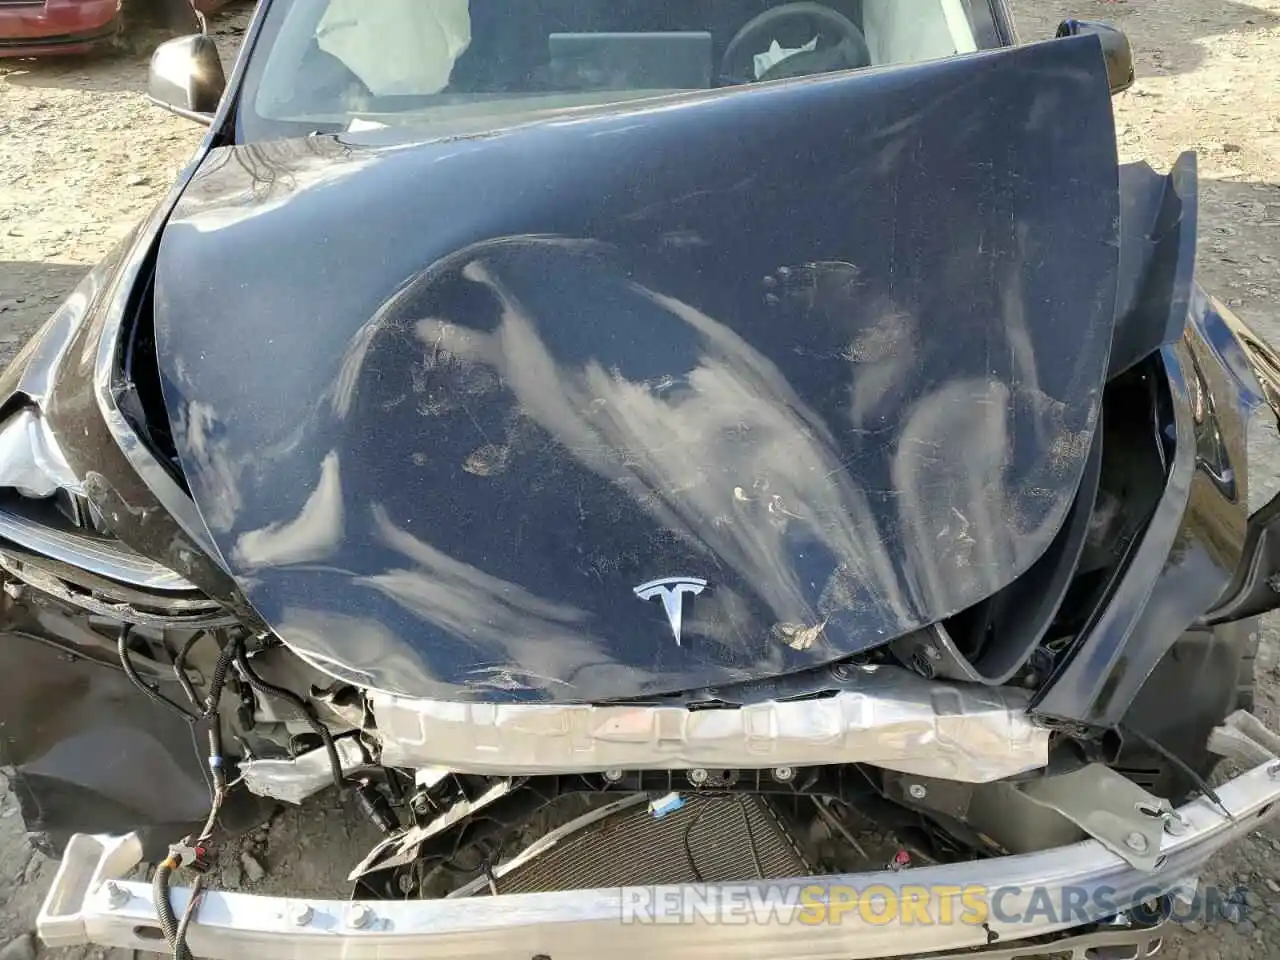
1192, 342
93, 902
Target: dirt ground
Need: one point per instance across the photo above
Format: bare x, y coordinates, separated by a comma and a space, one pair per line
83, 156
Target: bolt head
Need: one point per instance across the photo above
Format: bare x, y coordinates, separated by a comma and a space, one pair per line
301, 914
360, 916
932, 652
918, 791
923, 666
1273, 771
784, 774
117, 896
1175, 825
1136, 842
613, 776
698, 775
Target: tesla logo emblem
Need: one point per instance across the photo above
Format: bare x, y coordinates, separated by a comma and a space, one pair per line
672, 590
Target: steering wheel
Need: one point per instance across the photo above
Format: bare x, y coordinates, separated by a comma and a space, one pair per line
849, 50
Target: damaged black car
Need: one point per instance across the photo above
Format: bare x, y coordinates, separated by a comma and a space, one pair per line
636, 451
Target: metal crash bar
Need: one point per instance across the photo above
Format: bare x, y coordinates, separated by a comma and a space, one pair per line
91, 902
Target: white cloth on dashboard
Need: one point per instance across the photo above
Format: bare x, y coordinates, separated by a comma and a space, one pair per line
397, 46
777, 53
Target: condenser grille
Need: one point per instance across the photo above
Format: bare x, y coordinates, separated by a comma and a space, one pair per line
710, 839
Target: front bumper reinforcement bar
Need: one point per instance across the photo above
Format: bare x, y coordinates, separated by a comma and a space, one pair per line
91, 902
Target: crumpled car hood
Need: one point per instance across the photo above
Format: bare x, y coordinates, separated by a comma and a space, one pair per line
834, 346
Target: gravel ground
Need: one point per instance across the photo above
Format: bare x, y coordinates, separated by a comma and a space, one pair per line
83, 157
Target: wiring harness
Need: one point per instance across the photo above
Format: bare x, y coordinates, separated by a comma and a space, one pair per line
198, 852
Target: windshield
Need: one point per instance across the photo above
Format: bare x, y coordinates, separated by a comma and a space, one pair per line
328, 65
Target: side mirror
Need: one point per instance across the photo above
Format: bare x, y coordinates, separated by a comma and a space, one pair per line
1115, 49
186, 77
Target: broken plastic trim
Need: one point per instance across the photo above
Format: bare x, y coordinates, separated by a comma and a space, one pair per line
98, 554
183, 617
884, 716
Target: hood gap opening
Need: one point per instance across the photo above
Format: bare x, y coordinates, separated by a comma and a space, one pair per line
136, 386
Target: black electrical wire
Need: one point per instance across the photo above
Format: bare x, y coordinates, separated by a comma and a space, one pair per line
122, 648
1182, 765
164, 909
217, 764
180, 670
234, 647
175, 930
219, 781
271, 690
688, 850
181, 951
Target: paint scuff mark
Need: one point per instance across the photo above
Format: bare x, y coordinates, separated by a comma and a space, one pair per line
487, 460
797, 636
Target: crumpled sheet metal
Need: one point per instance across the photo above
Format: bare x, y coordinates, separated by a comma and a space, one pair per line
31, 460
293, 781
883, 716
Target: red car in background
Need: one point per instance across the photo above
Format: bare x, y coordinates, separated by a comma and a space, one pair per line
32, 28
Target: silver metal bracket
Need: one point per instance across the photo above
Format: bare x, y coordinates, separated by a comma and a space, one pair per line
1111, 808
